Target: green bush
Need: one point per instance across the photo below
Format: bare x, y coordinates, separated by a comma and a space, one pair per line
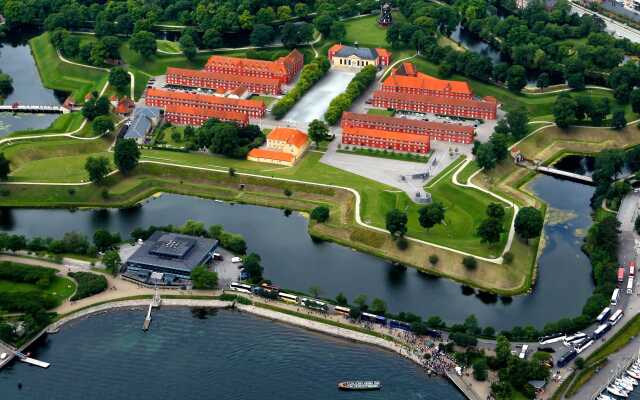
320, 214
310, 75
356, 87
88, 284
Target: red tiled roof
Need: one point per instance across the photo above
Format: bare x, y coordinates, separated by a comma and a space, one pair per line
270, 155
423, 81
280, 66
204, 98
335, 48
416, 98
383, 52
207, 112
241, 79
404, 122
289, 135
396, 135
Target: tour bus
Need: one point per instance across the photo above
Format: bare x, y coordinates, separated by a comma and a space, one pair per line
342, 310
240, 287
583, 347
399, 325
523, 353
569, 340
313, 304
620, 274
265, 292
566, 358
289, 298
616, 317
553, 338
603, 315
614, 297
373, 318
630, 285
632, 268
601, 330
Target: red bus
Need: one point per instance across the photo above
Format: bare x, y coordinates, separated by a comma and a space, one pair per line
620, 274
632, 268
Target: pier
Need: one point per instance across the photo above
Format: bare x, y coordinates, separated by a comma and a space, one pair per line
462, 386
155, 302
24, 358
564, 174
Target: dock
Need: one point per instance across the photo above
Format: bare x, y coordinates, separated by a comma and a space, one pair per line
462, 386
155, 302
35, 362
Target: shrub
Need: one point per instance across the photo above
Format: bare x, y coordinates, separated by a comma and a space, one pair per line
433, 259
320, 214
508, 257
89, 284
470, 262
402, 243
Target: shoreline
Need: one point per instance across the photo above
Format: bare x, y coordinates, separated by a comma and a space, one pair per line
311, 325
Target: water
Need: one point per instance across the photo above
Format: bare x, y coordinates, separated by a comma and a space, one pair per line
577, 164
224, 356
17, 62
471, 42
292, 260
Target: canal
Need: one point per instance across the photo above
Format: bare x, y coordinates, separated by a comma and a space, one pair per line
17, 62
228, 355
293, 260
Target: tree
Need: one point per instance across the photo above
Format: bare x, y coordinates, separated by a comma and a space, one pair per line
433, 259
265, 15
97, 168
143, 43
495, 210
516, 78
634, 99
317, 131
261, 35
542, 81
283, 13
323, 24
618, 120
396, 223
202, 278
320, 214
188, 46
518, 120
528, 223
341, 299
361, 302
564, 110
111, 260
104, 240
599, 110
102, 106
431, 214
5, 167
211, 39
485, 157
71, 46
119, 78
503, 351
252, 266
338, 31
314, 291
480, 369
490, 230
469, 262
126, 155
378, 306
102, 124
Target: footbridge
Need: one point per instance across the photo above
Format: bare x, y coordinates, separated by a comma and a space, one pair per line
33, 109
564, 174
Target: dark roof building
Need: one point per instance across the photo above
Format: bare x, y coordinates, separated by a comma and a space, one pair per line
171, 254
145, 119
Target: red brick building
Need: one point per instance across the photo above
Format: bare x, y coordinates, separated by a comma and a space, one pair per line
435, 130
466, 108
406, 79
221, 81
163, 98
284, 69
185, 115
389, 140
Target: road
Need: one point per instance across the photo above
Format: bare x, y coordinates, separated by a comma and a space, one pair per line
613, 26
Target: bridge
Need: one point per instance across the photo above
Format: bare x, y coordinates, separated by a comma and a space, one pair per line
33, 109
564, 174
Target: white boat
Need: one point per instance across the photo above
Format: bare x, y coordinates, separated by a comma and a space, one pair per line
605, 397
617, 391
633, 373
623, 384
630, 380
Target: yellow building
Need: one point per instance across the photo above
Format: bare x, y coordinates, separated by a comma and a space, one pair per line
284, 146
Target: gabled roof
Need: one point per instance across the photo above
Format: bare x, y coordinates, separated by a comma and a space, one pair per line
240, 79
416, 98
364, 53
280, 66
289, 135
380, 134
413, 124
271, 155
142, 122
406, 76
239, 117
203, 98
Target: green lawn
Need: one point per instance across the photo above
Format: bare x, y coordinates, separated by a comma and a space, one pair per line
60, 288
469, 170
64, 123
367, 32
380, 111
267, 100
163, 136
169, 46
56, 74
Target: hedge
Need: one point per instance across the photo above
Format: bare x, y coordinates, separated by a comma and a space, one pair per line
310, 75
356, 87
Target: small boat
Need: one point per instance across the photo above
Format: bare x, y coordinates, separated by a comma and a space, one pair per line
360, 385
623, 384
629, 379
617, 391
605, 397
633, 373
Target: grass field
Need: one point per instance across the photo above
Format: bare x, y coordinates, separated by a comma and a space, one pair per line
60, 288
380, 111
63, 124
469, 170
267, 100
63, 76
367, 32
169, 46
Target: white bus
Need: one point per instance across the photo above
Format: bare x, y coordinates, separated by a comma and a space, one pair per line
616, 317
342, 310
240, 287
630, 285
603, 315
584, 346
523, 353
614, 297
574, 338
289, 298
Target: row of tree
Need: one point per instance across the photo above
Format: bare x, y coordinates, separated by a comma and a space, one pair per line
342, 102
310, 75
569, 110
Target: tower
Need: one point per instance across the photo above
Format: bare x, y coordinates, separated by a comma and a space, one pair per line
385, 15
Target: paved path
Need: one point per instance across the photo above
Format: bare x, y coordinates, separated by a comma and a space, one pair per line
223, 49
618, 28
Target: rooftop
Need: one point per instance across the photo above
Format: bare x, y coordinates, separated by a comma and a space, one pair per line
174, 251
364, 53
236, 116
219, 76
203, 98
405, 122
407, 76
143, 120
271, 155
289, 135
416, 98
279, 66
380, 134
